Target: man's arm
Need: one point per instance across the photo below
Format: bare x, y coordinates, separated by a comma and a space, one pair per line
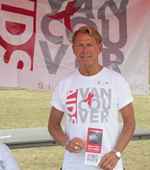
127, 113
55, 129
110, 160
54, 126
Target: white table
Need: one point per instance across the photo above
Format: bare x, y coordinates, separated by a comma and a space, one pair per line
40, 137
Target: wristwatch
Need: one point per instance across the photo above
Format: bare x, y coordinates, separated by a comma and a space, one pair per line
118, 154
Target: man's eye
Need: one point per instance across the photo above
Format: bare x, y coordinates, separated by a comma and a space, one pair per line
90, 45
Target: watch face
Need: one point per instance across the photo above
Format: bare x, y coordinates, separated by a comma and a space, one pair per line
118, 154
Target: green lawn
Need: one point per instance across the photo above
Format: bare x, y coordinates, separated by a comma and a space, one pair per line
22, 108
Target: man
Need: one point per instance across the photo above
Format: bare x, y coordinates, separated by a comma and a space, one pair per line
91, 96
7, 160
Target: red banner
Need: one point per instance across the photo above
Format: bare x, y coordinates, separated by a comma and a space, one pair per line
35, 40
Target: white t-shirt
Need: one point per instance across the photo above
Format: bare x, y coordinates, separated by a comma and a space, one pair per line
91, 101
7, 160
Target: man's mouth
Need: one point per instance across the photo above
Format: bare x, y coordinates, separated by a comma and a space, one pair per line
85, 57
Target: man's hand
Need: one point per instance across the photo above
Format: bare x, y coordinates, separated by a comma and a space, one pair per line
109, 161
75, 145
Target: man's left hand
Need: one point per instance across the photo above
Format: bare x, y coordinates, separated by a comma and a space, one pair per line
108, 161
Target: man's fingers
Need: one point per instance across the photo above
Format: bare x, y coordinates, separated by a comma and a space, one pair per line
75, 145
108, 162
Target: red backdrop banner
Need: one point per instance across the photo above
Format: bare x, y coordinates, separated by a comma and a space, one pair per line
35, 40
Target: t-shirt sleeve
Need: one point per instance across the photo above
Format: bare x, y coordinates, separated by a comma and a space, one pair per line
125, 96
56, 99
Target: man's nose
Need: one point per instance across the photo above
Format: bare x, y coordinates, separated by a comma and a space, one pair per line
85, 49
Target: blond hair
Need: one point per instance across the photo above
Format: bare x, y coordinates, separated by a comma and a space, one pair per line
88, 30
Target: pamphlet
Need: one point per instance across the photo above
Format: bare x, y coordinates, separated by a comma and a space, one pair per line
93, 148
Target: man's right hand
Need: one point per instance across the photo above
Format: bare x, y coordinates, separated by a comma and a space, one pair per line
75, 145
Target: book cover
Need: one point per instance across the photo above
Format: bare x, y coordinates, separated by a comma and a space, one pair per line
93, 148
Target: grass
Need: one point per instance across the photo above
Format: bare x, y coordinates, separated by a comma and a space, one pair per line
44, 158
22, 108
137, 153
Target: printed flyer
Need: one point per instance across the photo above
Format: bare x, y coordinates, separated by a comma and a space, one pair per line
94, 144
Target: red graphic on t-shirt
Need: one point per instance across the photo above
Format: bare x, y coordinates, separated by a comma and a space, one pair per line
71, 103
88, 99
70, 10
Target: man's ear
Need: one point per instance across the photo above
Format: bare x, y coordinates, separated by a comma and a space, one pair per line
100, 48
73, 48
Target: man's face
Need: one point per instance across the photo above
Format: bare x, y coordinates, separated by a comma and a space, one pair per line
86, 50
